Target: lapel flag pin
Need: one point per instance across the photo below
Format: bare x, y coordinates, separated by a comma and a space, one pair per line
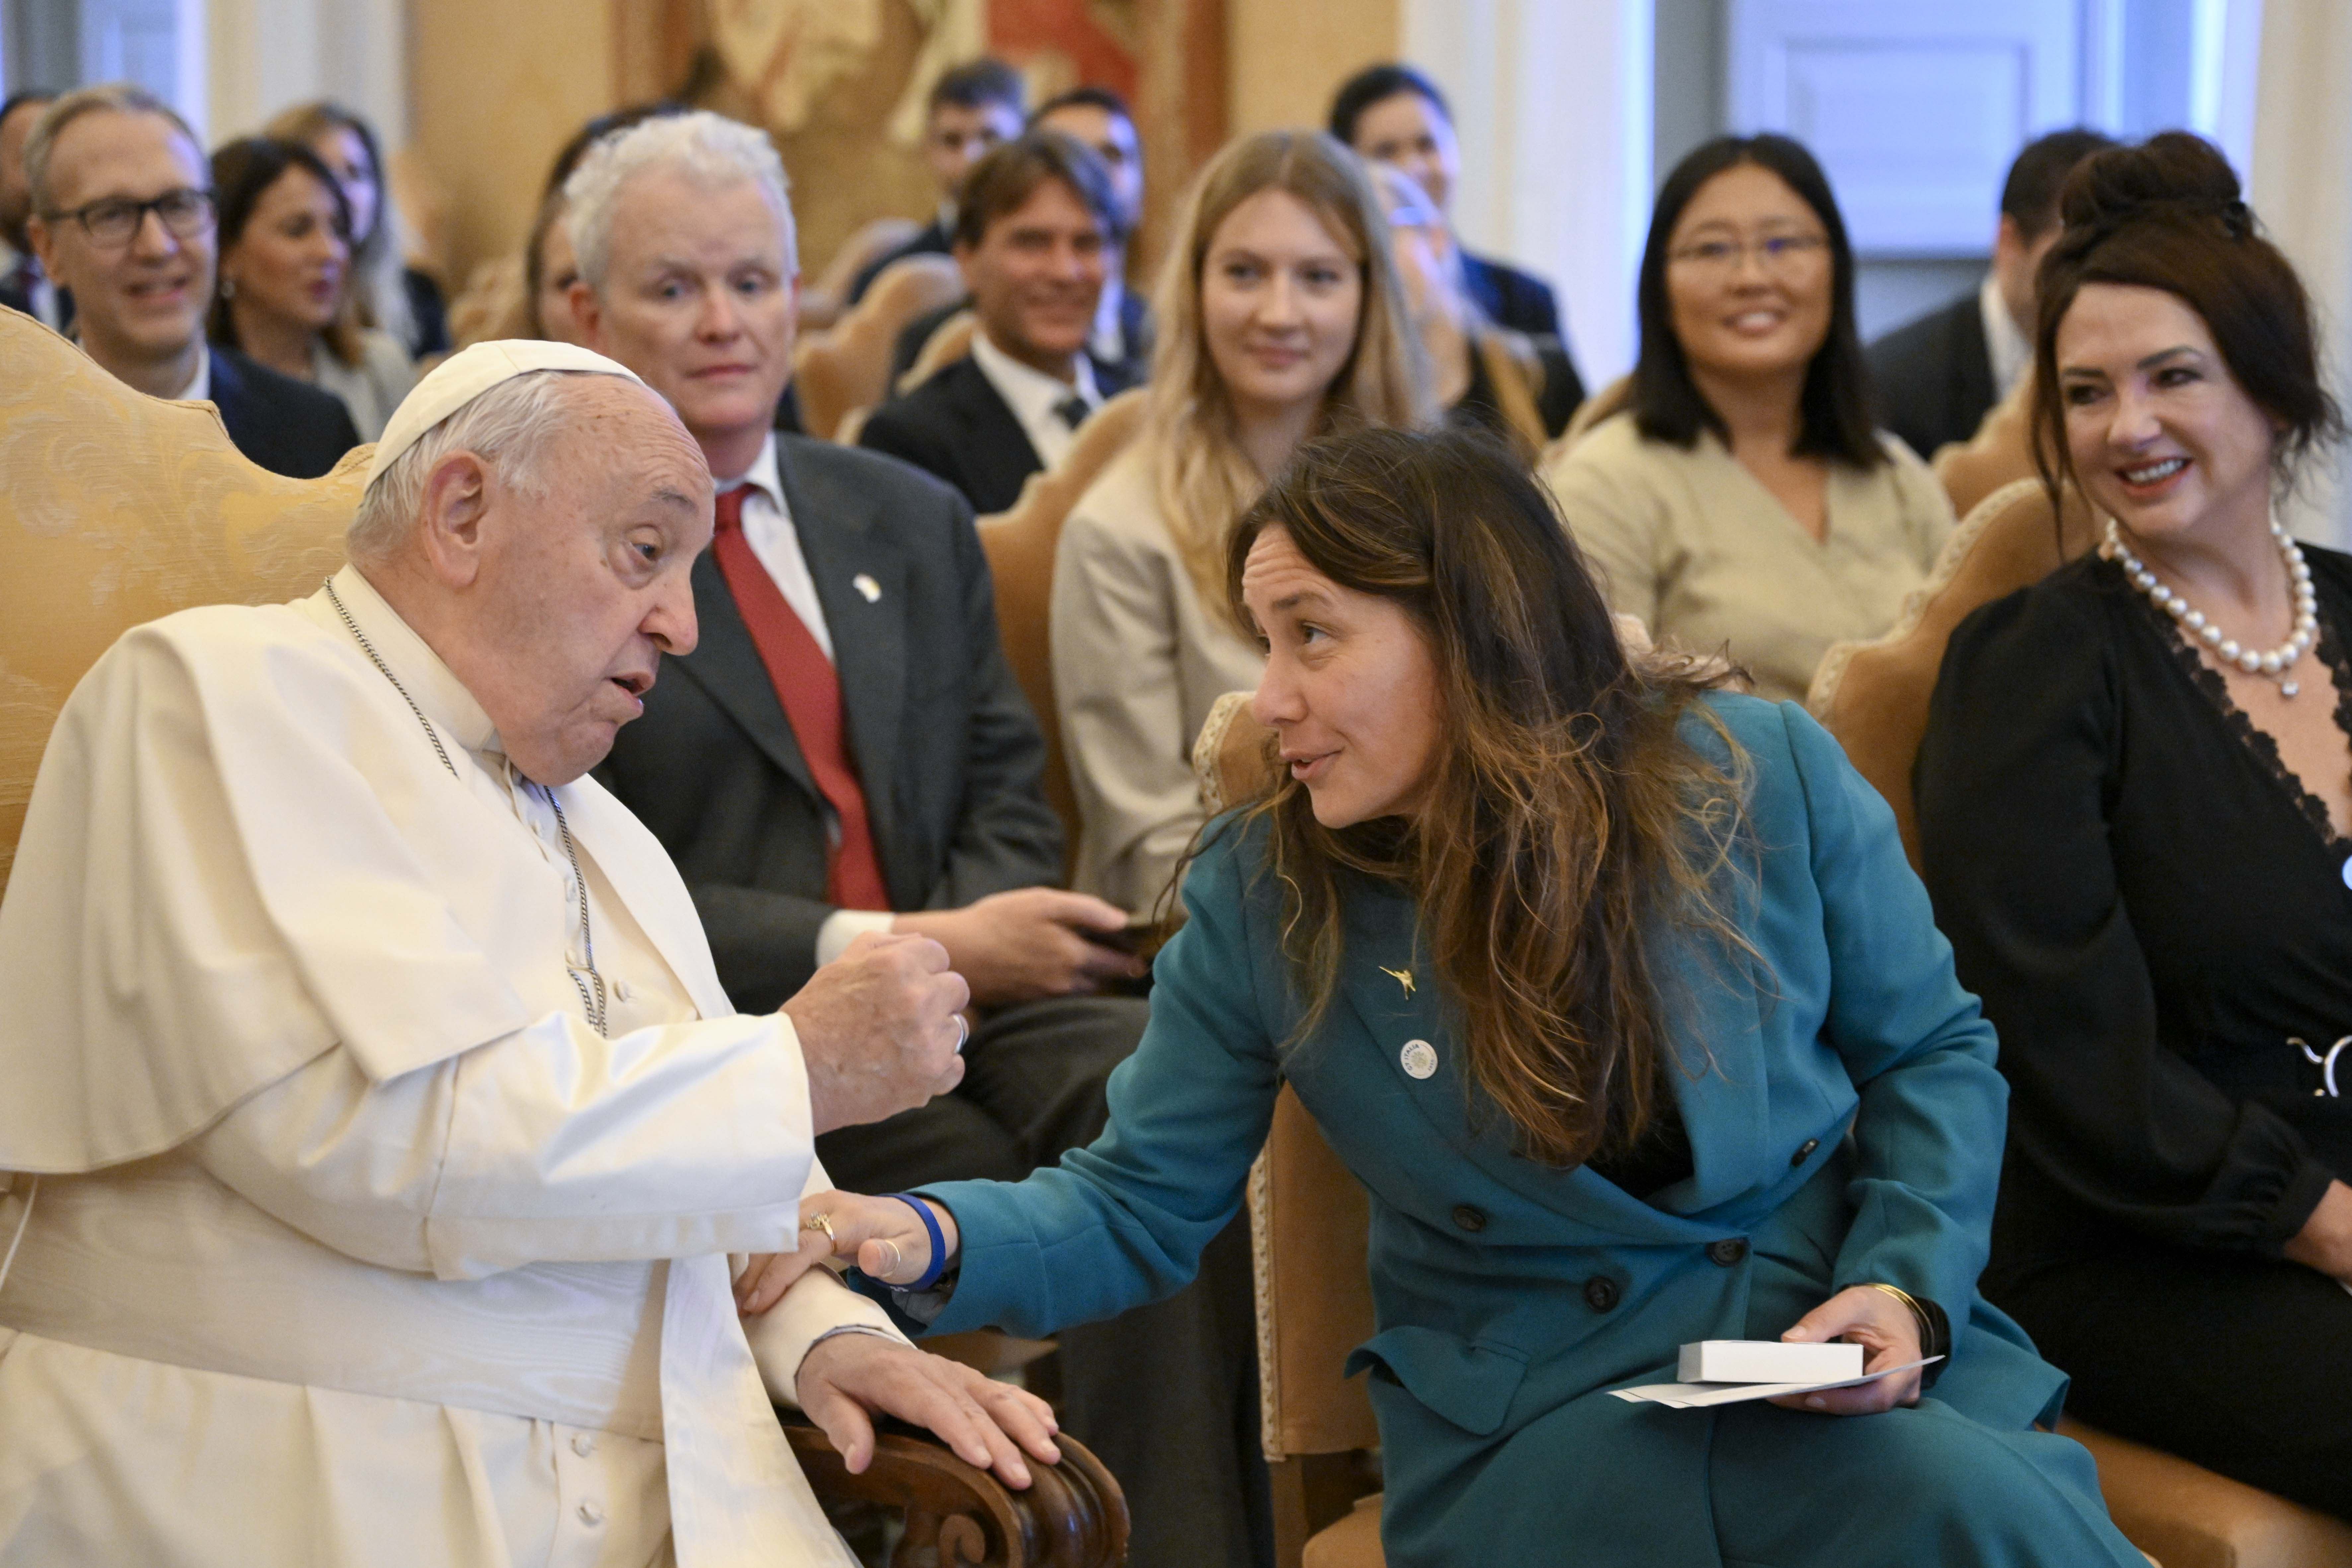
868, 586
1402, 976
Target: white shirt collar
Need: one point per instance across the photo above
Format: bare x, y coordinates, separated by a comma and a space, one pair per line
200, 385
1030, 394
763, 475
2005, 346
431, 684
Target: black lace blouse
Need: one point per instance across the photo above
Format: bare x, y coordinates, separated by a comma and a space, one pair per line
2155, 911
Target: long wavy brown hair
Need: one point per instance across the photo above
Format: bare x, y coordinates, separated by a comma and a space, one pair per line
1570, 836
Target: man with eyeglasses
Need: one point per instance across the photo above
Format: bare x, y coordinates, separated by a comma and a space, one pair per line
122, 216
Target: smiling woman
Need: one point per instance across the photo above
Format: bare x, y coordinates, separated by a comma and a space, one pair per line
1281, 318
1743, 500
2134, 797
285, 261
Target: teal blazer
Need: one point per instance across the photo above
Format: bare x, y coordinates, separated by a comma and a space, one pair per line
1846, 1123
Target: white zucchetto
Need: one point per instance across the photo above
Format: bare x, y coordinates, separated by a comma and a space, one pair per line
472, 372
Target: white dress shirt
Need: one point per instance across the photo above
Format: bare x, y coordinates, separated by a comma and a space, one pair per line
2005, 346
44, 300
200, 385
1034, 397
769, 529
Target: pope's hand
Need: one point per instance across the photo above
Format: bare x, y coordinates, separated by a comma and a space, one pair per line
883, 1236
1890, 1335
878, 1030
847, 1380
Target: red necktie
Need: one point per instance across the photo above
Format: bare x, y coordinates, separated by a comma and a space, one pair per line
810, 690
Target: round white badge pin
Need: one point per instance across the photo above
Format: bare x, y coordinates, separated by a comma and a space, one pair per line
1418, 1059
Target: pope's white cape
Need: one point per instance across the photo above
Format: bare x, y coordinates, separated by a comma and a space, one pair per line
241, 854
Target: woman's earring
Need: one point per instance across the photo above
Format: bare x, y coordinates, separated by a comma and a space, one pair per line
228, 286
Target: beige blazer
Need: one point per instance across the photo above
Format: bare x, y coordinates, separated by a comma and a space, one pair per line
1138, 662
1696, 547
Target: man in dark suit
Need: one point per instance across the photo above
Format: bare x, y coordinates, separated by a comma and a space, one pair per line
1394, 115
1122, 335
1939, 376
1034, 236
122, 215
972, 109
846, 749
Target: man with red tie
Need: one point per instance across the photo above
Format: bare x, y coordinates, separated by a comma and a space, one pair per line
845, 750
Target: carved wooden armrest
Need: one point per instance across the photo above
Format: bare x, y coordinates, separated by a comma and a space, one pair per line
1073, 1514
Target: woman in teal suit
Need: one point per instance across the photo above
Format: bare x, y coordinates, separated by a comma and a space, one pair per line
1617, 994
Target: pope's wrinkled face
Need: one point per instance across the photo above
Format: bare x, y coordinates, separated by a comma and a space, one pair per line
584, 587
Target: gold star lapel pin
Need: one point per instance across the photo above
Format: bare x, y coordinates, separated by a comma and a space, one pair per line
1402, 976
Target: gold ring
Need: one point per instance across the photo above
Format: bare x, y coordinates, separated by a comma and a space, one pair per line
822, 1221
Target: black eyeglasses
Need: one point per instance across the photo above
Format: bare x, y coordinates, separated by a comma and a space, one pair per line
112, 222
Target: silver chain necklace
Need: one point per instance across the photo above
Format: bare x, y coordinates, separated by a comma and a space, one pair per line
592, 985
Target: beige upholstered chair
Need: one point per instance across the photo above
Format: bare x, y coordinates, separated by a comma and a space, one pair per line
826, 297
120, 508
848, 365
1873, 698
949, 342
1310, 1230
1020, 543
2000, 453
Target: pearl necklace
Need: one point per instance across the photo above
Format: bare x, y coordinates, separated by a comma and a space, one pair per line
2279, 662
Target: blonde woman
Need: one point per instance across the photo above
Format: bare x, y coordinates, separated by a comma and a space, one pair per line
1281, 318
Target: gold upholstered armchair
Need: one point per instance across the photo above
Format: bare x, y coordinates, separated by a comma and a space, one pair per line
119, 509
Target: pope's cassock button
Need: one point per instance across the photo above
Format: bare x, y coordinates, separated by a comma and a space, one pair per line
583, 1444
1420, 1059
591, 1515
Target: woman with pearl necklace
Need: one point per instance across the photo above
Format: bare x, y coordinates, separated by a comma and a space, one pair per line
2135, 818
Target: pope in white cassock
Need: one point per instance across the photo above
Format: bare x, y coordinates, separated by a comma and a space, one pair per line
381, 1130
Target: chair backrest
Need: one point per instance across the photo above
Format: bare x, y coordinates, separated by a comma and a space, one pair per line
1310, 1223
823, 296
848, 365
120, 507
2000, 453
949, 342
1020, 543
1874, 696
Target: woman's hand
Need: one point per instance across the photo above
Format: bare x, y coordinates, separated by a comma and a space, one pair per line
846, 1379
1881, 1324
883, 1236
2324, 1242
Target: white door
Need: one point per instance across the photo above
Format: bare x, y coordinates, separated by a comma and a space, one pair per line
1914, 108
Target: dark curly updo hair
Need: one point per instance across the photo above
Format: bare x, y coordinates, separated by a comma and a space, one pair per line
2168, 215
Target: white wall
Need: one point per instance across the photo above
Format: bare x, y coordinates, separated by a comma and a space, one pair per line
1552, 101
2301, 189
268, 54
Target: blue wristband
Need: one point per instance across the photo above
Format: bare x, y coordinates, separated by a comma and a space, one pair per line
939, 1242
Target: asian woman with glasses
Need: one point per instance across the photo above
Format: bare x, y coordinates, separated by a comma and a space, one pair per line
1741, 496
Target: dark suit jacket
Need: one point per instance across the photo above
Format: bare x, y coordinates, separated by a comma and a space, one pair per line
931, 239
959, 426
945, 744
1134, 326
1935, 376
1520, 301
288, 427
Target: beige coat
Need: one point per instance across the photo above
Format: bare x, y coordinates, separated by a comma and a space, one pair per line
1692, 545
1137, 663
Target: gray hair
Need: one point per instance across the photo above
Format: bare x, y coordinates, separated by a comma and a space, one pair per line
709, 149
112, 97
511, 427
